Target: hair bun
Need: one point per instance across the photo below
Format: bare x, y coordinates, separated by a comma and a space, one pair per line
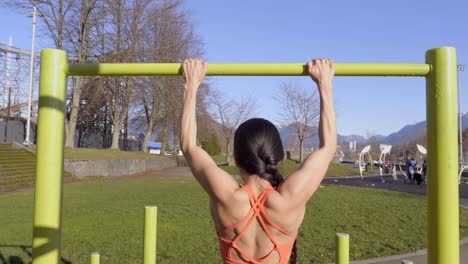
271, 169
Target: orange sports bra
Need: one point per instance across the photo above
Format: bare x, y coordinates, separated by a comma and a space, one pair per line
256, 212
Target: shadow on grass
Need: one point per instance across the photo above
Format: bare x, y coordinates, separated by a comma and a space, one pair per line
15, 259
21, 260
50, 234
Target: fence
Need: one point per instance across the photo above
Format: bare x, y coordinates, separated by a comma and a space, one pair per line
15, 131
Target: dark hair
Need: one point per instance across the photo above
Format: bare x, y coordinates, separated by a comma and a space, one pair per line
258, 150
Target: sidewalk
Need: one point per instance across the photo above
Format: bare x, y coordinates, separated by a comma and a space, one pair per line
375, 182
418, 257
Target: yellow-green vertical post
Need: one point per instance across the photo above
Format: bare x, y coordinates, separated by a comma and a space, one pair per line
49, 158
95, 258
342, 248
442, 153
151, 218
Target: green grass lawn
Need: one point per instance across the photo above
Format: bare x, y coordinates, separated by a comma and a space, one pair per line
107, 216
219, 159
94, 154
287, 167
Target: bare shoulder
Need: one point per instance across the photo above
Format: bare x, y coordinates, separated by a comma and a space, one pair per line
284, 213
233, 208
276, 202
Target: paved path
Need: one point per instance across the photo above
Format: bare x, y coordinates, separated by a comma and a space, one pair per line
418, 257
389, 184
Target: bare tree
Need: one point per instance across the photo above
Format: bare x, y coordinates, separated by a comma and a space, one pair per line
127, 23
53, 15
301, 108
230, 114
69, 24
204, 117
120, 31
170, 39
78, 28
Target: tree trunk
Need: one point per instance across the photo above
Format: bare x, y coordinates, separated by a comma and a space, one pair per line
301, 149
125, 135
164, 139
120, 116
80, 137
117, 128
82, 53
227, 150
175, 139
71, 126
149, 132
60, 25
151, 117
104, 134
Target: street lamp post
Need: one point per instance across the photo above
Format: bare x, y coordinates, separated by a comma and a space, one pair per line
460, 68
31, 79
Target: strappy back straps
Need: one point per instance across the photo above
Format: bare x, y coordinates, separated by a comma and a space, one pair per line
257, 212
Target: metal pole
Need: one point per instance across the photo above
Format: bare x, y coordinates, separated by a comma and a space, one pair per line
442, 153
49, 162
250, 69
95, 258
8, 113
6, 79
342, 248
7, 87
460, 68
27, 140
151, 218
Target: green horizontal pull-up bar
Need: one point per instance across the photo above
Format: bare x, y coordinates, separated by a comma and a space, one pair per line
250, 69
440, 70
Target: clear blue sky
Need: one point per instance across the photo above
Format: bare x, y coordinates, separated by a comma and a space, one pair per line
344, 30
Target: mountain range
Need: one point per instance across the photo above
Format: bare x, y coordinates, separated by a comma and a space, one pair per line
404, 135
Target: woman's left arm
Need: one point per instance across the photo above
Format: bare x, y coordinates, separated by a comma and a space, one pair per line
216, 182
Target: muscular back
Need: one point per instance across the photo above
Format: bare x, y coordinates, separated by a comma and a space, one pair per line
255, 242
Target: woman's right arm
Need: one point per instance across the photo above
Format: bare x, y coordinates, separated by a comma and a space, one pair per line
302, 184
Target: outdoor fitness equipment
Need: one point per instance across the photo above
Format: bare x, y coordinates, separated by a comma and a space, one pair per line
440, 71
362, 162
462, 168
423, 151
384, 150
339, 155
